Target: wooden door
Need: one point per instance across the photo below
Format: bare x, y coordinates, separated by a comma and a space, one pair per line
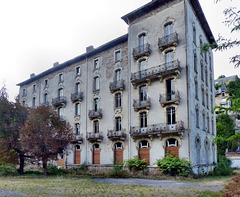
173, 149
118, 156
77, 157
96, 156
143, 154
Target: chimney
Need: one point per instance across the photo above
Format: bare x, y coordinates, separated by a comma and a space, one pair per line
89, 49
55, 64
32, 75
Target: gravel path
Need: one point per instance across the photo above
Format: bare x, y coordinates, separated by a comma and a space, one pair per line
163, 183
11, 193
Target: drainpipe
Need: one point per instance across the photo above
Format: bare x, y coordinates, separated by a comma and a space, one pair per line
129, 96
187, 75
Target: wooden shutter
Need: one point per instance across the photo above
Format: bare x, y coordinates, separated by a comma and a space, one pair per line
144, 154
118, 155
77, 158
173, 149
96, 156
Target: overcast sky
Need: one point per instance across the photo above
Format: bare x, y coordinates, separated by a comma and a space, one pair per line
36, 33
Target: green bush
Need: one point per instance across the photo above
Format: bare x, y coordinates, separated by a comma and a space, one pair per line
7, 169
224, 167
173, 165
136, 164
53, 170
118, 171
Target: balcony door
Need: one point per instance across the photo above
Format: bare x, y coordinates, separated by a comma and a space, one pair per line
143, 151
168, 31
170, 87
143, 95
142, 41
96, 154
169, 58
171, 118
142, 68
77, 155
118, 153
143, 122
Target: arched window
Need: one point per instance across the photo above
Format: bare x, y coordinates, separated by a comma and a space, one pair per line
172, 146
143, 144
45, 99
196, 88
195, 61
171, 142
197, 118
96, 147
143, 151
194, 34
77, 147
118, 145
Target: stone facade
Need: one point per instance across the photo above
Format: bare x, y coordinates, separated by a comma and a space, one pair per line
145, 93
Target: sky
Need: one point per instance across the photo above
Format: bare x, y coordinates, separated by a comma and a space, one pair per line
34, 34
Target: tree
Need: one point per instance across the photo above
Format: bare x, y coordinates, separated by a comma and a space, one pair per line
12, 118
221, 76
232, 20
45, 135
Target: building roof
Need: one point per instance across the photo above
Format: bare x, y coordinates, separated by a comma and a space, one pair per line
101, 48
225, 80
154, 4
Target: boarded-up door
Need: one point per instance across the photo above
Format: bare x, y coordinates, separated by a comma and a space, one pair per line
77, 158
143, 154
96, 156
118, 156
173, 149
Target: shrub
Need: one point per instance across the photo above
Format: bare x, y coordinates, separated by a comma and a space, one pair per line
118, 171
53, 170
7, 169
224, 167
173, 165
136, 164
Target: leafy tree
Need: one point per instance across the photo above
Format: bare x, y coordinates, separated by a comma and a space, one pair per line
45, 135
221, 76
12, 118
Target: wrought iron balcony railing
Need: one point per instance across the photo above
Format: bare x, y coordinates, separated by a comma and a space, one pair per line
156, 72
78, 138
92, 114
61, 100
157, 129
116, 135
138, 105
78, 96
169, 98
116, 85
94, 137
142, 50
168, 41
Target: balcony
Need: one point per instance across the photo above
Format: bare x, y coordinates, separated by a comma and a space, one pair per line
157, 130
140, 51
168, 41
116, 135
156, 72
169, 98
77, 139
138, 105
78, 96
116, 85
61, 100
94, 137
95, 114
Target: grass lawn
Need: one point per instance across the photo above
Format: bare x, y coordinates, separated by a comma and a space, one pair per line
73, 186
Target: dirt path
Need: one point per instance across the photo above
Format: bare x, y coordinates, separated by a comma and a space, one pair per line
163, 183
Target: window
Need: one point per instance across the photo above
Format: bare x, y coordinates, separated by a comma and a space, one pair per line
60, 78
24, 92
60, 92
143, 93
96, 64
203, 98
96, 147
201, 43
171, 116
204, 123
206, 76
23, 103
96, 104
34, 102
143, 144
208, 129
141, 42
211, 103
46, 83
212, 127
118, 145
142, 68
45, 98
118, 103
223, 93
207, 103
169, 56
198, 151
170, 87
168, 32
34, 88
211, 81
197, 118
117, 56
195, 61
78, 88
194, 34
210, 62
196, 88
77, 128
77, 109
96, 84
205, 56
96, 126
202, 71
60, 112
77, 71
171, 142
118, 123
117, 75
143, 119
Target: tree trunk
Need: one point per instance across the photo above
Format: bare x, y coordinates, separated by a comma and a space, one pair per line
21, 163
44, 161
